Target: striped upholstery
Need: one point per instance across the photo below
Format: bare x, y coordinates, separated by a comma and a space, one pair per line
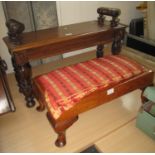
64, 87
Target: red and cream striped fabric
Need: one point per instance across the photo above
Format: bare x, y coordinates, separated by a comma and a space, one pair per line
64, 87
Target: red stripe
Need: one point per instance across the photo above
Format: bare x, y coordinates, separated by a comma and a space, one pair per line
73, 78
97, 70
123, 65
113, 69
102, 72
94, 79
45, 86
60, 83
138, 66
76, 68
126, 65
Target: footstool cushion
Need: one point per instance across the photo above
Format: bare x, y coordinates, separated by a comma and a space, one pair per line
64, 87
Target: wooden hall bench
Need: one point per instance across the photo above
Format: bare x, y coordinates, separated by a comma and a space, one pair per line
105, 82
24, 47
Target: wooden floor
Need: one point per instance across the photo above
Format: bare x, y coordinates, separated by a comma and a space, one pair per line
27, 130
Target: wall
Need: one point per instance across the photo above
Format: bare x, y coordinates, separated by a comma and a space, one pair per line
151, 21
73, 12
79, 11
3, 32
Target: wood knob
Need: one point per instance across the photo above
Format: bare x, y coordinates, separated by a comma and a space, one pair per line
15, 28
113, 12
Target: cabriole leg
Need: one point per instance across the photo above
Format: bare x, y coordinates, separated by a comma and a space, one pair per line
39, 98
60, 128
41, 107
61, 140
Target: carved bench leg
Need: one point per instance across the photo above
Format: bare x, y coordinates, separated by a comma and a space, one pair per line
23, 74
100, 52
117, 42
60, 128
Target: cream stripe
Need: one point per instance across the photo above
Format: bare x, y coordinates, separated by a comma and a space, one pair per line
67, 80
93, 72
126, 74
127, 63
59, 92
79, 93
107, 70
56, 112
82, 77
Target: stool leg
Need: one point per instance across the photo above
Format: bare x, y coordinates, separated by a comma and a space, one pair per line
41, 107
61, 140
60, 128
39, 98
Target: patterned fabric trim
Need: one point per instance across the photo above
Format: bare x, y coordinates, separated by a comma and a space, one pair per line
65, 87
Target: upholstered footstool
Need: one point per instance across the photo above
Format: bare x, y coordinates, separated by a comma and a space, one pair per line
66, 92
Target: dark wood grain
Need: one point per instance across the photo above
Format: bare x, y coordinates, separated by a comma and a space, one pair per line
55, 35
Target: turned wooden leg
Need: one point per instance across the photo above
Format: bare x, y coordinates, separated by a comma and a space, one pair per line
117, 42
116, 46
99, 52
16, 74
60, 128
23, 75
